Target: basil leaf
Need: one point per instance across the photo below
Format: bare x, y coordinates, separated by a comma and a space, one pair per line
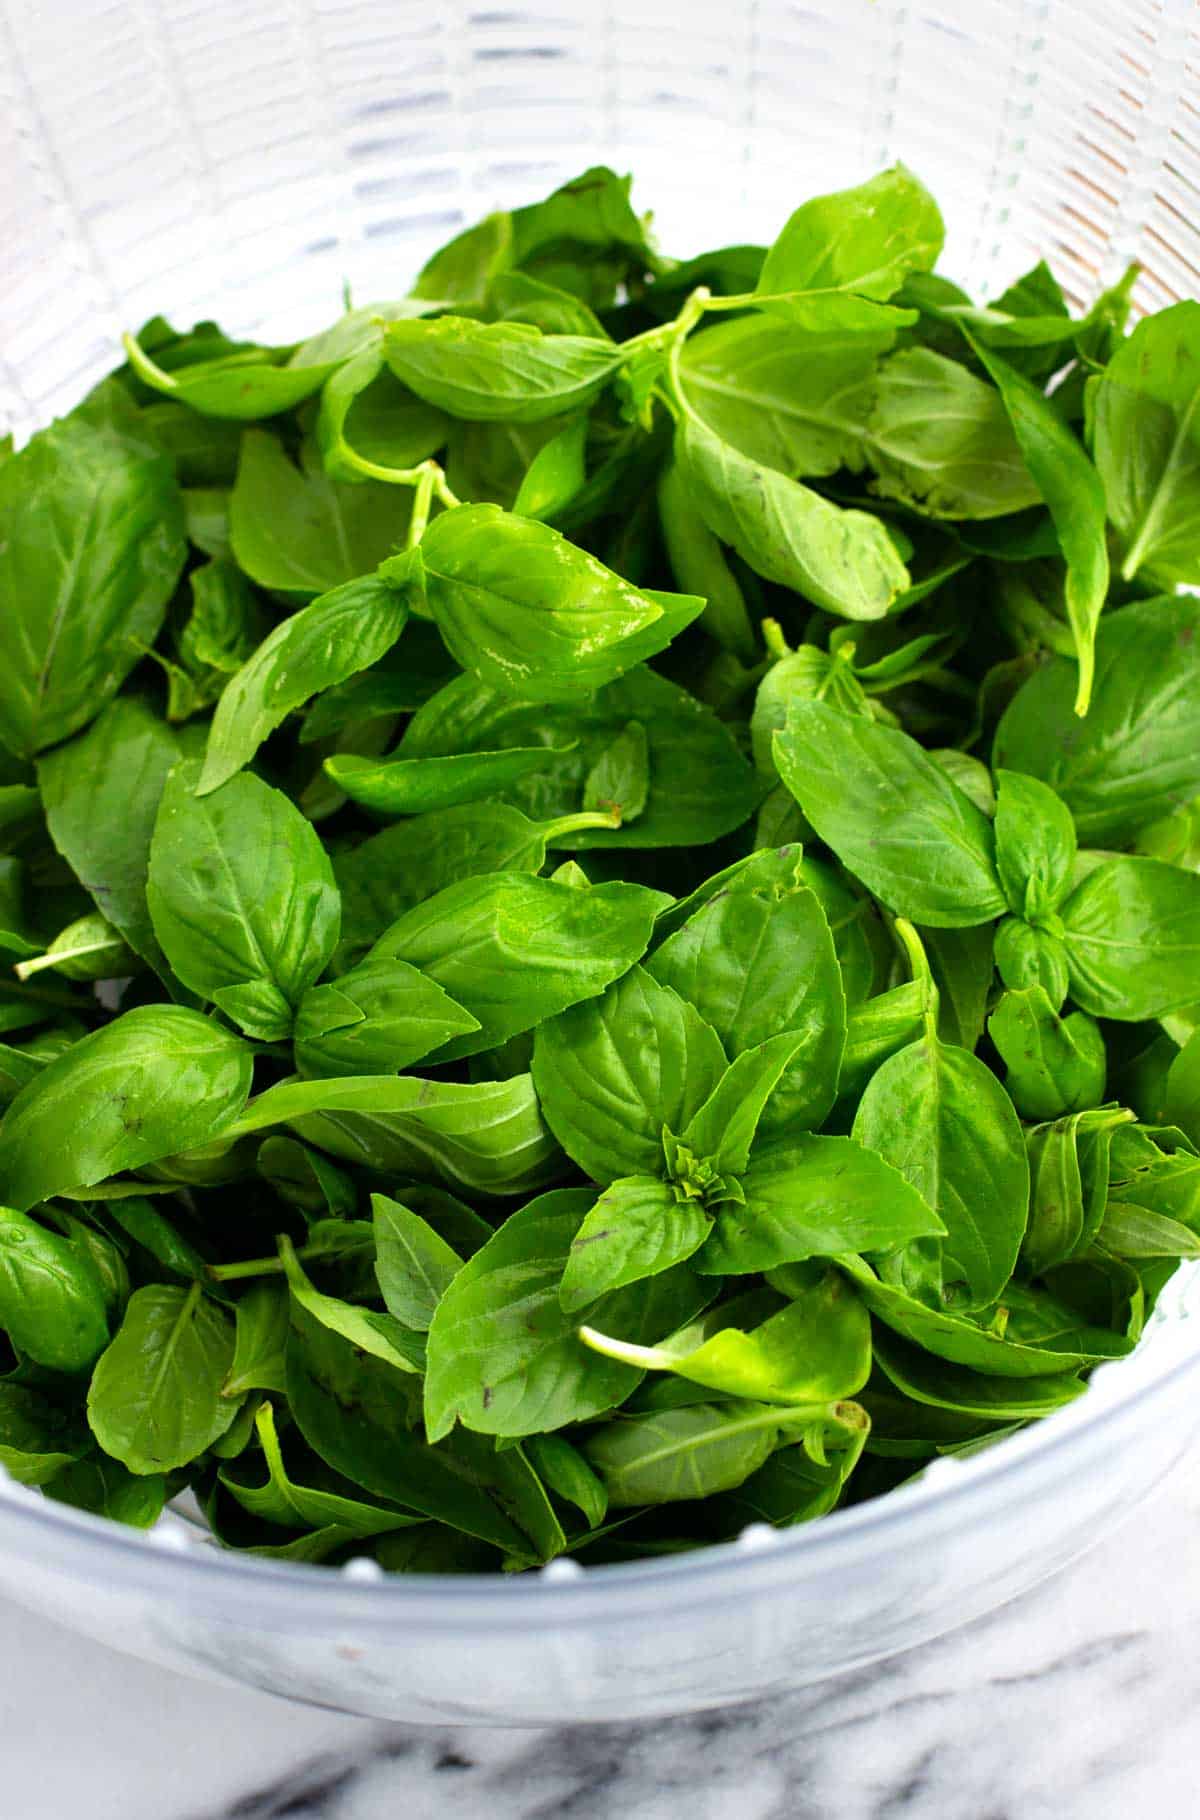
376, 1018
1132, 936
504, 1358
260, 1341
493, 371
293, 1506
414, 1264
1054, 1065
52, 1300
1035, 845
1074, 492
1141, 409
401, 867
242, 898
698, 786
943, 1120
810, 1197
619, 781
485, 1136
639, 1227
816, 1349
699, 567
885, 808
370, 426
939, 439
961, 962
91, 546
415, 786
683, 1453
529, 613
753, 967
614, 1070
295, 530
335, 636
156, 1401
243, 386
792, 401
514, 950
156, 1080
38, 1439
1131, 760
101, 793
377, 1335
348, 1409
971, 1392
555, 475
843, 561
864, 240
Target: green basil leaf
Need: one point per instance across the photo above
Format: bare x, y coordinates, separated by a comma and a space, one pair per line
886, 809
1141, 410
678, 1454
155, 1401
348, 1408
514, 950
415, 786
961, 962
370, 427
497, 371
377, 1018
939, 439
555, 475
334, 637
698, 786
568, 1476
752, 1098
619, 781
864, 240
699, 567
486, 1136
414, 1264
877, 1029
1069, 1185
295, 530
639, 1227
101, 792
812, 1197
530, 613
1053, 1065
799, 403
91, 547
284, 1502
1132, 936
817, 1349
504, 1358
52, 1299
38, 1439
929, 1380
260, 1341
1137, 1232
156, 1080
1074, 492
1032, 958
943, 1120
1132, 759
754, 966
244, 386
375, 1334
1035, 845
612, 1071
843, 561
241, 894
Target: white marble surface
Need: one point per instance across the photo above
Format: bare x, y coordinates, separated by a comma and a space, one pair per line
1078, 1702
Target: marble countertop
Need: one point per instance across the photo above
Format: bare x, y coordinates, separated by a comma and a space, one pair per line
1077, 1702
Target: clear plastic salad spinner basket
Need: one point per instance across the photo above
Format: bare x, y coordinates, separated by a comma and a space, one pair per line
242, 161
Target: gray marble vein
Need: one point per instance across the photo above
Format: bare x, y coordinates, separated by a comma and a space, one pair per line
1074, 1703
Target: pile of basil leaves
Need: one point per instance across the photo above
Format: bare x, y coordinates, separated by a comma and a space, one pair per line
641, 825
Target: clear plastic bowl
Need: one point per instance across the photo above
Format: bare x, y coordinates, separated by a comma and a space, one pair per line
202, 157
